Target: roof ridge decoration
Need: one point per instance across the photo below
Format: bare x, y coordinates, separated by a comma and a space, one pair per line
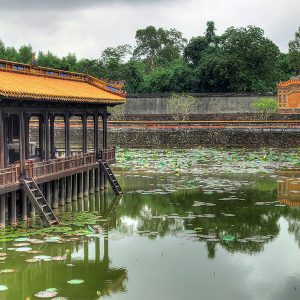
289, 82
29, 69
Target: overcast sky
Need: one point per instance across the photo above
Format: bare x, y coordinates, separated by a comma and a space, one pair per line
86, 27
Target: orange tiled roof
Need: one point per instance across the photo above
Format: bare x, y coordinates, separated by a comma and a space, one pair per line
289, 82
21, 81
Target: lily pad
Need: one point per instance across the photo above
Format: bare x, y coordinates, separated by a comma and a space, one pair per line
228, 238
23, 249
75, 281
3, 288
46, 294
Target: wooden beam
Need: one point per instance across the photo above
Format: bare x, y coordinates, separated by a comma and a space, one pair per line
67, 134
96, 134
47, 135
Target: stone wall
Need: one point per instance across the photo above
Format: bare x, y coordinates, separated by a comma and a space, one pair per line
188, 138
207, 103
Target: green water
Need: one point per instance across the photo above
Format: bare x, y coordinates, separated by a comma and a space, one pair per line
164, 239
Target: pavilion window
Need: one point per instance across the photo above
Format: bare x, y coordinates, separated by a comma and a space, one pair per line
2, 65
63, 74
49, 72
19, 68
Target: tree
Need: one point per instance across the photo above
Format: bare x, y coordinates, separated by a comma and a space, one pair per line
210, 34
195, 49
113, 59
25, 54
160, 43
294, 52
252, 59
48, 60
265, 107
181, 106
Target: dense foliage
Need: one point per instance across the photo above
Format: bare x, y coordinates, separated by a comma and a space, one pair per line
239, 60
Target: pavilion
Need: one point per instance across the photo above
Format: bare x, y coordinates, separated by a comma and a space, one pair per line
36, 178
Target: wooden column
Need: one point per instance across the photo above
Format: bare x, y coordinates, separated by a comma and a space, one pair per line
84, 128
47, 136
22, 143
41, 137
2, 142
67, 135
97, 179
26, 123
52, 143
13, 209
49, 193
96, 134
104, 133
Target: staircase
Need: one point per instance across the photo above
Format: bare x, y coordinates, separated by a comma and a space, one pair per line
39, 202
111, 177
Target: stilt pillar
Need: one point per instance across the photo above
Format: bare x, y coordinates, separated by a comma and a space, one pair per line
62, 188
86, 184
74, 188
2, 210
91, 182
80, 185
13, 209
69, 189
55, 194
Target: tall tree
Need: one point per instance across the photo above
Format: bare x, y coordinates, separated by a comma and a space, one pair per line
294, 52
25, 54
154, 44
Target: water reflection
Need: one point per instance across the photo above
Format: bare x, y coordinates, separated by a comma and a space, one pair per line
79, 257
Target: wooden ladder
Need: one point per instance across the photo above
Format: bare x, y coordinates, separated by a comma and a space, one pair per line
39, 202
111, 177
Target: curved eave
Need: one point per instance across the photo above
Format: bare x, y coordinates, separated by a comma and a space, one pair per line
51, 98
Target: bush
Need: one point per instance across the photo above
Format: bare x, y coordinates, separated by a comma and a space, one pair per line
181, 106
265, 107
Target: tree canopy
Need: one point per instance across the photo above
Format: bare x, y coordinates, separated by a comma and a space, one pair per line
239, 60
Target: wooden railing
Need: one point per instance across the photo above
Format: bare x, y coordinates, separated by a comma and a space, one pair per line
108, 154
9, 175
38, 169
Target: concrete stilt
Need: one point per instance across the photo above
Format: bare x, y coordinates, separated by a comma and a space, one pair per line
69, 189
55, 194
74, 188
2, 210
13, 209
62, 188
91, 182
80, 185
86, 184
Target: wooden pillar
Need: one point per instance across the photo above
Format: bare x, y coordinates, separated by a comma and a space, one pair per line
2, 141
32, 211
86, 184
91, 182
55, 194
13, 209
67, 135
24, 205
2, 210
62, 186
69, 189
22, 143
26, 123
41, 137
80, 185
84, 128
104, 132
47, 136
52, 143
74, 188
96, 134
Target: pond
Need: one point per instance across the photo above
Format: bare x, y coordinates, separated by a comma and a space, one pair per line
192, 224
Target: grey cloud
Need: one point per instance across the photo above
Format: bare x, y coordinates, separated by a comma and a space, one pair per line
67, 5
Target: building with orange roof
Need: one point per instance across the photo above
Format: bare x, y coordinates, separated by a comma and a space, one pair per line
33, 176
289, 96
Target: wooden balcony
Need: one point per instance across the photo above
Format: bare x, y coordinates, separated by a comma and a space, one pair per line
45, 171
